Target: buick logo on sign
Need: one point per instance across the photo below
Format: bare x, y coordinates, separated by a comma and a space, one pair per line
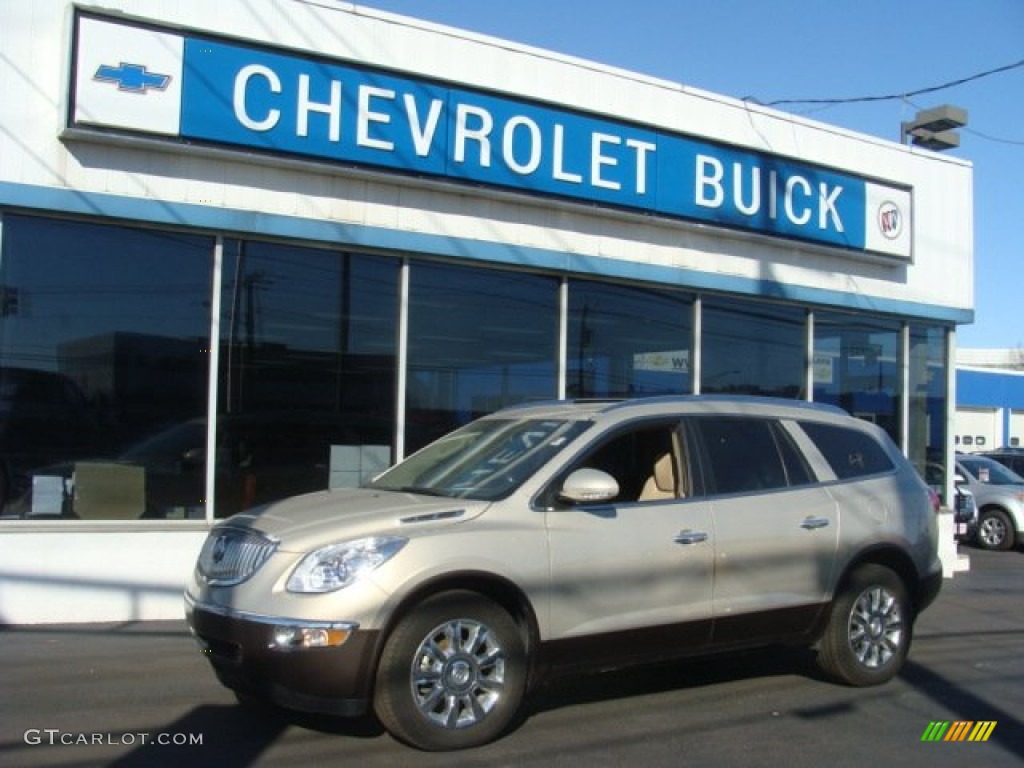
220, 548
890, 220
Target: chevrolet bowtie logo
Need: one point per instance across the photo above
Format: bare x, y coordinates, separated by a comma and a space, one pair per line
132, 78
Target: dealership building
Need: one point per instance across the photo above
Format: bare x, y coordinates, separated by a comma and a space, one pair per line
989, 400
250, 253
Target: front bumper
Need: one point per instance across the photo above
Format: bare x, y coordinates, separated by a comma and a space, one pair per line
246, 654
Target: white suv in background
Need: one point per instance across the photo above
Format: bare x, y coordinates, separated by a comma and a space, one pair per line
572, 536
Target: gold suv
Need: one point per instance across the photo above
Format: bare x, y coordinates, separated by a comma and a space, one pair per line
572, 536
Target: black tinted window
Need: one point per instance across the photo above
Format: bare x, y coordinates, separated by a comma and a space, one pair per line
479, 339
850, 452
739, 454
105, 341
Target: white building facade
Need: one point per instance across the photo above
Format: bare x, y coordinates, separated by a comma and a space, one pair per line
251, 253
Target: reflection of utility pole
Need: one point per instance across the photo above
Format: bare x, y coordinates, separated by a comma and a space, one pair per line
252, 281
243, 288
584, 342
345, 289
229, 401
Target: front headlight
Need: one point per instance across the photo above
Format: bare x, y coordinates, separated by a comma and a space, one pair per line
338, 565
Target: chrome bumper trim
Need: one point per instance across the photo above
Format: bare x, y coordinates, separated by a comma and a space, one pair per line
276, 621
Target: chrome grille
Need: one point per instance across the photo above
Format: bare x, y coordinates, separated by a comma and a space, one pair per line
232, 555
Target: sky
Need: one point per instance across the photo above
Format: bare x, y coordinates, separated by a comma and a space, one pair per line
822, 49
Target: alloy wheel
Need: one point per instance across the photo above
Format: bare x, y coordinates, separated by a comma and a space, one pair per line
458, 673
876, 627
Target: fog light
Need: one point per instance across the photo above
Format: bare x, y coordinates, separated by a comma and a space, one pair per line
286, 638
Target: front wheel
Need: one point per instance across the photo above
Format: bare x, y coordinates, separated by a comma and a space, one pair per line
995, 531
868, 634
452, 674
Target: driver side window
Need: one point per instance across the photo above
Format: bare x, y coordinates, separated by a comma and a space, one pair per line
645, 462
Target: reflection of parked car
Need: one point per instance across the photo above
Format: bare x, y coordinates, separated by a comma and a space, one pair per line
999, 492
572, 535
44, 418
259, 458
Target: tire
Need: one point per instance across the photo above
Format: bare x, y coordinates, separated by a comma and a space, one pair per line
452, 674
869, 629
995, 531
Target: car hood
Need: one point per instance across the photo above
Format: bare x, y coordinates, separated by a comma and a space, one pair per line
315, 519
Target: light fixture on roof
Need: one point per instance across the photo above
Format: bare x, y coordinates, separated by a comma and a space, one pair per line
935, 128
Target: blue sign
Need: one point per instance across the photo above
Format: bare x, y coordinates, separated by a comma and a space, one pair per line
244, 96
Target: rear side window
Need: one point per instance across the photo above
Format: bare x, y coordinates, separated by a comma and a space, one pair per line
850, 452
740, 455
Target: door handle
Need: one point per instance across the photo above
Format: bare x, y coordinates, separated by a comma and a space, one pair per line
690, 537
813, 523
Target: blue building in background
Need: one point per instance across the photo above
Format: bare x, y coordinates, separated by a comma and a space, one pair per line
989, 400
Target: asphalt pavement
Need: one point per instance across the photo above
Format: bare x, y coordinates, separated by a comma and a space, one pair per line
143, 695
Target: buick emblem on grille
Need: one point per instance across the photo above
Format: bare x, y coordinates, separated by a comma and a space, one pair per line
220, 547
230, 556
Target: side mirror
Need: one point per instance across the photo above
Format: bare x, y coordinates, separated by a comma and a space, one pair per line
959, 479
589, 486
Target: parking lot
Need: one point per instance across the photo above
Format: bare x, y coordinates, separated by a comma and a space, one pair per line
141, 694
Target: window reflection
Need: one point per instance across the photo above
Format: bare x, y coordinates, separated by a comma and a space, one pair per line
479, 339
857, 367
104, 364
307, 367
627, 342
103, 343
753, 348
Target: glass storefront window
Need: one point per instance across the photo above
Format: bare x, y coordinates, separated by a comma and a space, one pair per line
753, 348
479, 339
105, 357
857, 367
104, 344
927, 400
307, 371
628, 342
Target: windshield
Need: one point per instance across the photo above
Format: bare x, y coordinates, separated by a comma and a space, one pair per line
991, 472
486, 460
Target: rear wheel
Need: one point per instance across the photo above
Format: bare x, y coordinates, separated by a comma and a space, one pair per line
995, 531
869, 630
452, 674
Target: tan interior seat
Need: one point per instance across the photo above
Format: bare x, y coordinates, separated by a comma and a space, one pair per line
662, 482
